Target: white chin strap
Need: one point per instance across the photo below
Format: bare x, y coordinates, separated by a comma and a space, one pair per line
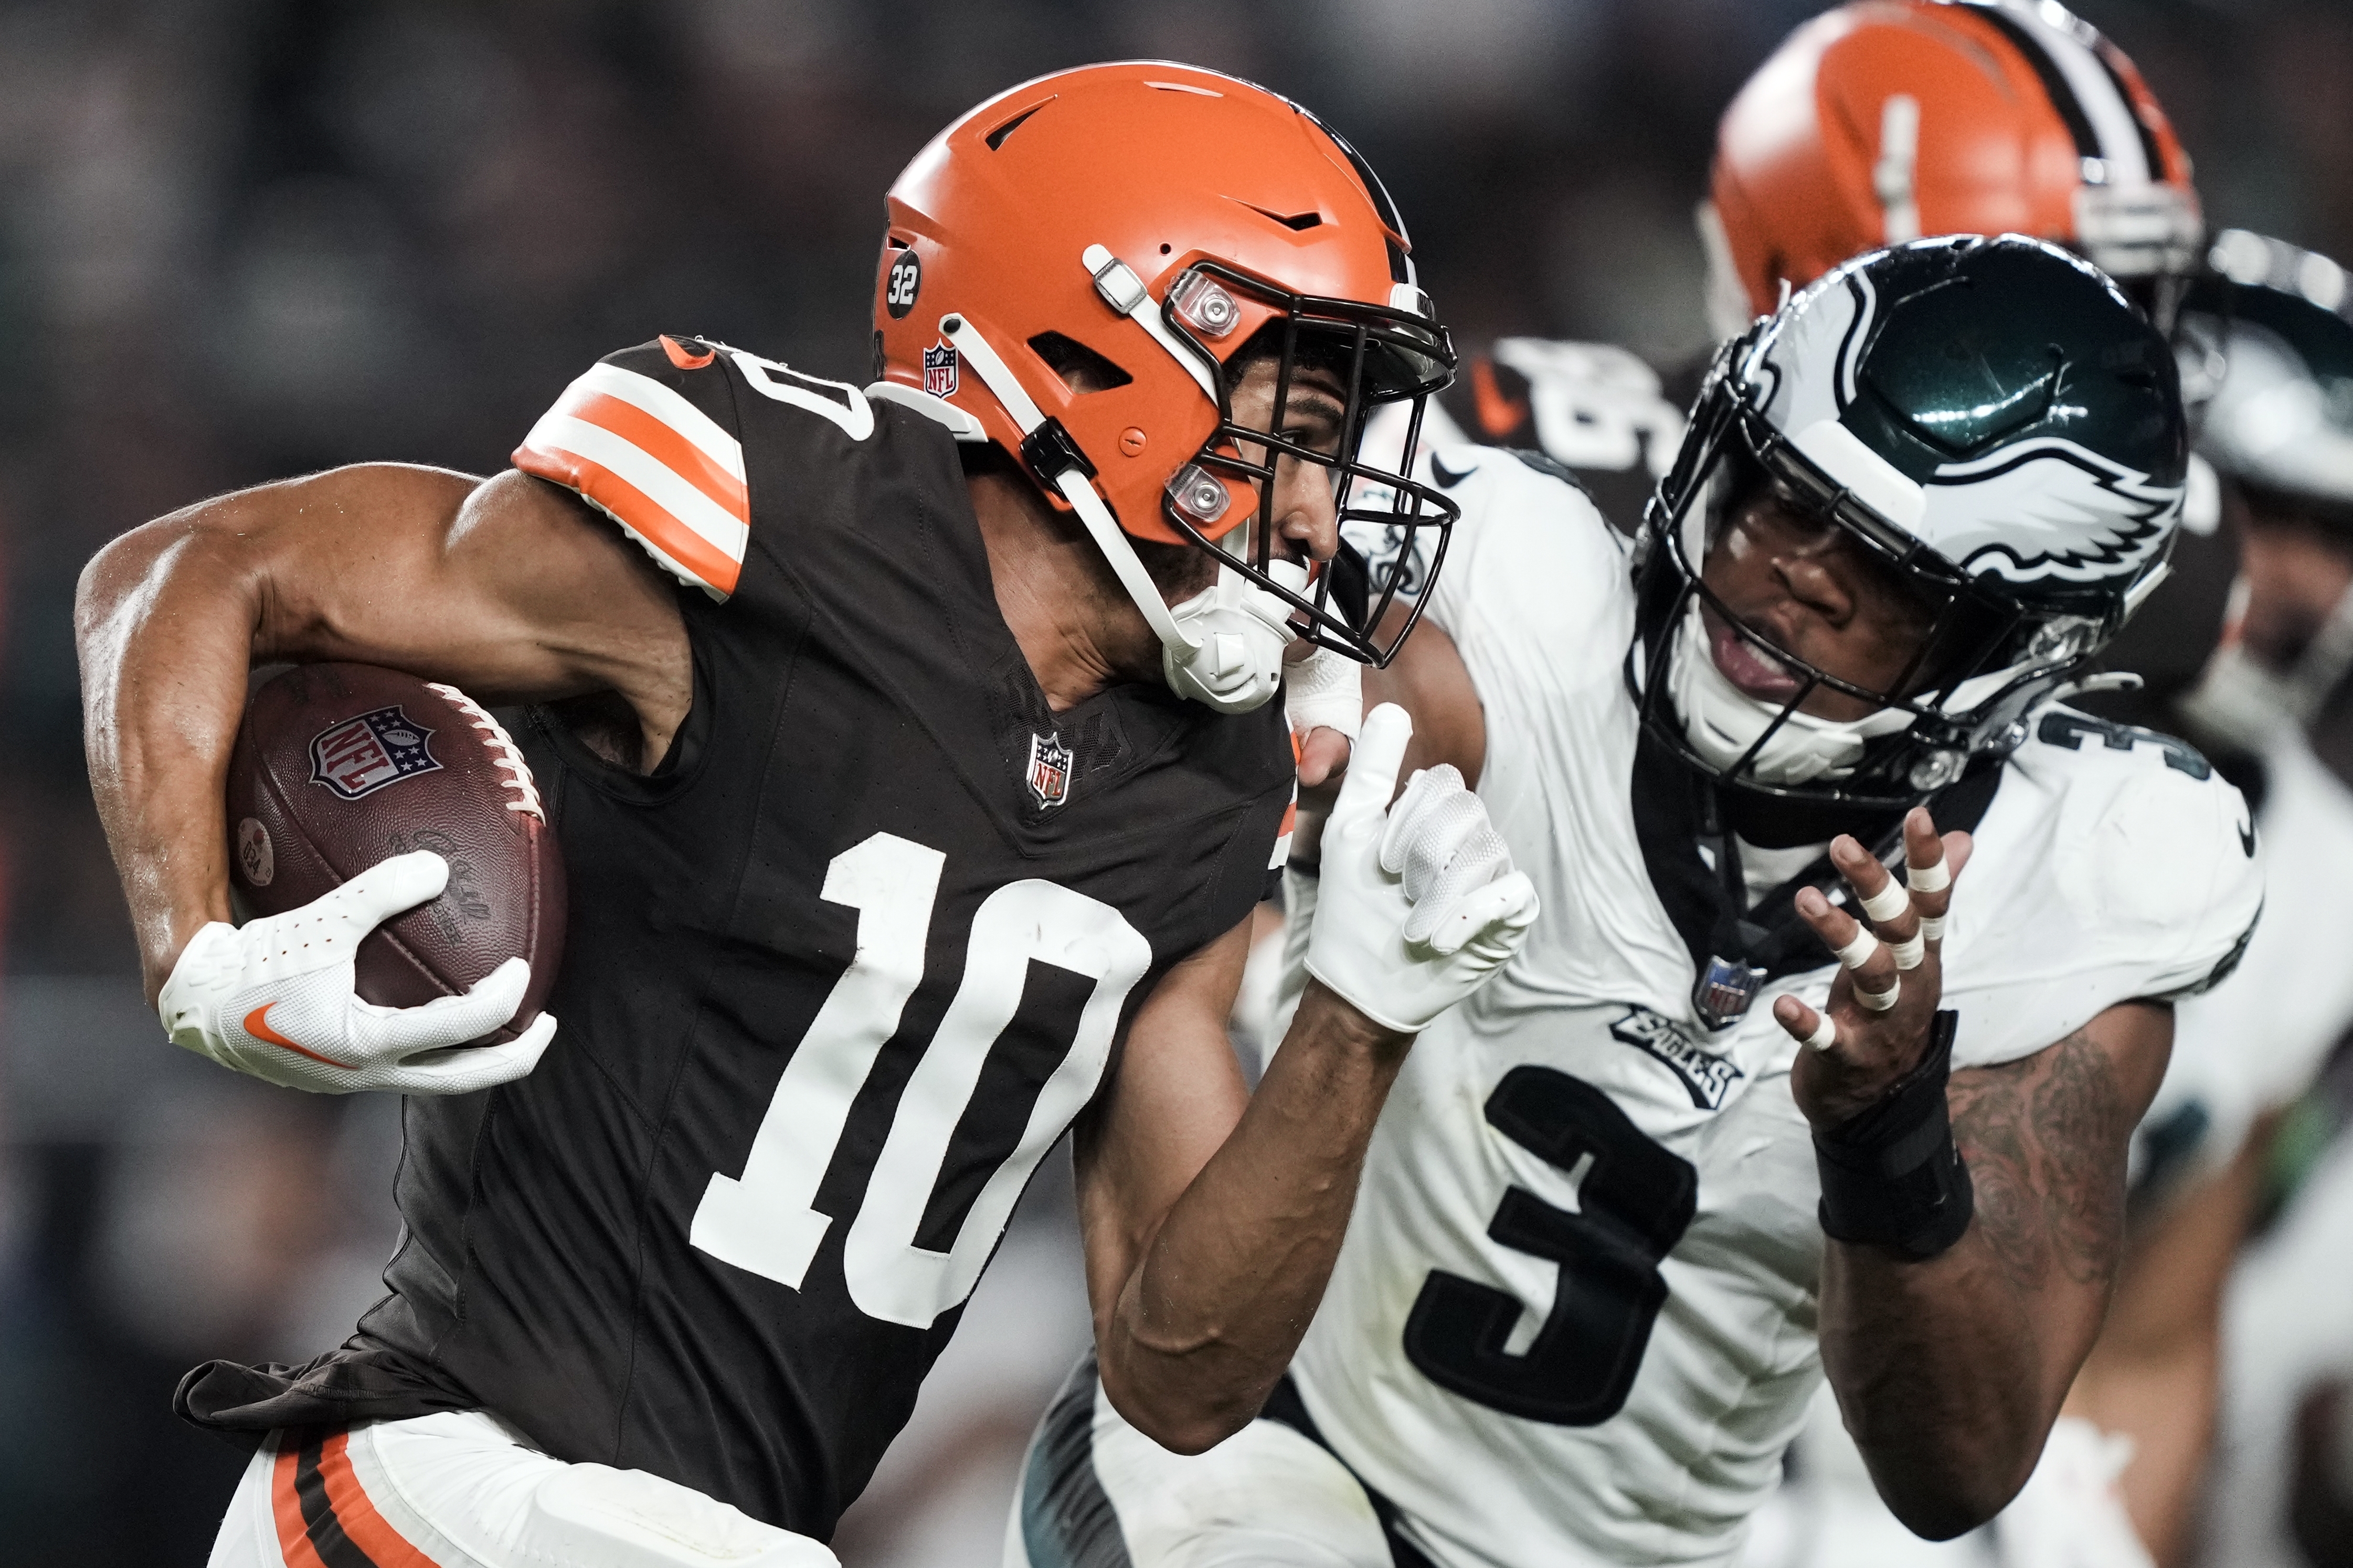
1233, 637
1223, 647
1722, 722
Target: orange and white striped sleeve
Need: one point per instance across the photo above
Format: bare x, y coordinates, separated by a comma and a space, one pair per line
637, 438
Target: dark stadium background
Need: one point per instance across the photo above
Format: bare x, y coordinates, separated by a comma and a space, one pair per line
243, 238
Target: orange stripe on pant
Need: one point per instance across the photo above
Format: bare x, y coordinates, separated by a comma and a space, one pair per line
706, 561
369, 1531
293, 1535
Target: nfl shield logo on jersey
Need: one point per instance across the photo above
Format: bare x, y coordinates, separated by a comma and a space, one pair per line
1722, 996
1049, 770
360, 756
942, 371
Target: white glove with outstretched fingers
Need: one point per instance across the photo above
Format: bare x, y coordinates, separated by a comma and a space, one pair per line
275, 999
1417, 904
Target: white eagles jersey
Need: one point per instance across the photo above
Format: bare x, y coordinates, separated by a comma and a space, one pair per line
1574, 1318
2256, 1042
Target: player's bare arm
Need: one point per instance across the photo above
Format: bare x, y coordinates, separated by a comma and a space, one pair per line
1211, 1214
1950, 1369
1429, 679
510, 588
1212, 1218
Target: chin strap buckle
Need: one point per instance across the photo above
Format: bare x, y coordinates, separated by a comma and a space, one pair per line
1050, 452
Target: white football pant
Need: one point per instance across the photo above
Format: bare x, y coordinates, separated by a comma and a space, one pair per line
458, 1490
1097, 1493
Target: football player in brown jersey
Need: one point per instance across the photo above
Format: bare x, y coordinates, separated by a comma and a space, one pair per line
915, 754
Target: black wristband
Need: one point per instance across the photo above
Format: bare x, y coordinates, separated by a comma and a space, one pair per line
1891, 1175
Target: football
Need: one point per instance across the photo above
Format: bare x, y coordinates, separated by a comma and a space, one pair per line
339, 766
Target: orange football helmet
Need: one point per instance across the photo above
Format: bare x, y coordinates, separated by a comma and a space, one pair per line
1072, 270
1891, 120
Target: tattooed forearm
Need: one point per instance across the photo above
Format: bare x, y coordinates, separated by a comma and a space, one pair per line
1951, 1370
2045, 1140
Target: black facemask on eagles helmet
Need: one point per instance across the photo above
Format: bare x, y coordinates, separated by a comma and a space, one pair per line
1998, 428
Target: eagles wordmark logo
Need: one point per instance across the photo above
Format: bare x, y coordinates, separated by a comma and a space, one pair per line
1049, 770
361, 755
1706, 1076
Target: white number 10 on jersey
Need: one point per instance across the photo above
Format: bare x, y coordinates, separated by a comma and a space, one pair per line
765, 1220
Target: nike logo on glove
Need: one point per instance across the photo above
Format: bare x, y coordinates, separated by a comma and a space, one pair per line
257, 1023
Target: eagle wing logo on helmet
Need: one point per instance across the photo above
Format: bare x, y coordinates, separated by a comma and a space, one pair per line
2048, 509
1783, 365
2042, 509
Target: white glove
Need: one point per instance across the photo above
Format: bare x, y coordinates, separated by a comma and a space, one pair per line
1418, 904
275, 999
1324, 689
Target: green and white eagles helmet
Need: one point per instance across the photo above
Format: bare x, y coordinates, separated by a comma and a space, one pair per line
2266, 339
2268, 331
1993, 420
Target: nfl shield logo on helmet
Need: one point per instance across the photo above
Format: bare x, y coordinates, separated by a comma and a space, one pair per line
1049, 770
360, 756
942, 370
1722, 996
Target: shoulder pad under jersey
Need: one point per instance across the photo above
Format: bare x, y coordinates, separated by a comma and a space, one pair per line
653, 438
2155, 848
1597, 409
649, 436
1530, 539
2114, 865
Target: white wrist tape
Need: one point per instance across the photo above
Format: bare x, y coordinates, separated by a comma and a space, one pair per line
1324, 689
1857, 953
1888, 902
1932, 878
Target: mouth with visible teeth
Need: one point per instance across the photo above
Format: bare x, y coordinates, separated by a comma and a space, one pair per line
1747, 666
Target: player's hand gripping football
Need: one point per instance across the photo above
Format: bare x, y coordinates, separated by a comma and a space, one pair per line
275, 998
1891, 975
1417, 903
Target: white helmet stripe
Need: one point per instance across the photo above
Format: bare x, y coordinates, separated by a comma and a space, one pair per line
2115, 127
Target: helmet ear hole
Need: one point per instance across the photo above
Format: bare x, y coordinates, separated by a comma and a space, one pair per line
1080, 368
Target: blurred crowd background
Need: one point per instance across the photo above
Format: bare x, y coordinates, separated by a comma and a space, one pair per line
244, 238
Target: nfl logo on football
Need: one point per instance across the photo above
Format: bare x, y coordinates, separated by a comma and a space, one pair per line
360, 756
1049, 770
941, 371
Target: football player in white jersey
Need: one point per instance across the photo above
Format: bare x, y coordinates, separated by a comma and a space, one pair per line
2269, 329
1623, 1211
1872, 122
